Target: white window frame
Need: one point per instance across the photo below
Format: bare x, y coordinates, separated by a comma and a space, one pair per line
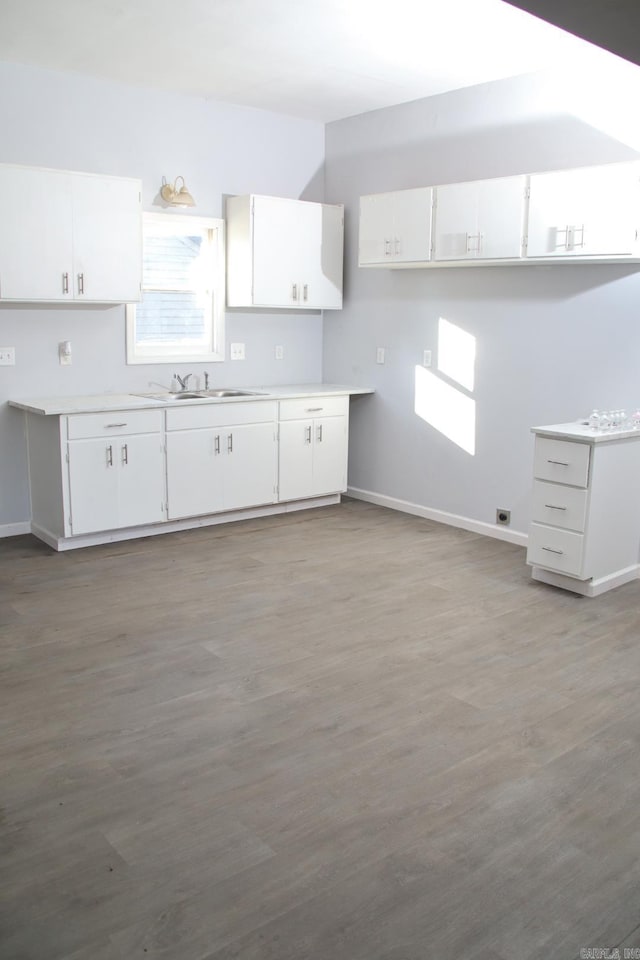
174, 352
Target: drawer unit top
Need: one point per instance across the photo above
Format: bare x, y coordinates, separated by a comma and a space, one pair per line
221, 415
559, 506
81, 426
309, 407
562, 461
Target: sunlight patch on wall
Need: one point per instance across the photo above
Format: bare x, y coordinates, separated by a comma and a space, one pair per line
456, 353
446, 409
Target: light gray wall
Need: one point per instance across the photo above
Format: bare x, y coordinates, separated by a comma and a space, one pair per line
68, 122
552, 342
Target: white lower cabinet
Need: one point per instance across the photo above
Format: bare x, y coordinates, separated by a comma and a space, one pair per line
94, 474
115, 473
220, 458
585, 529
313, 447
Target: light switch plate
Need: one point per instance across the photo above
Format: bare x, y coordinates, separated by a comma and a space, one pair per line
380, 355
237, 351
426, 358
279, 352
7, 356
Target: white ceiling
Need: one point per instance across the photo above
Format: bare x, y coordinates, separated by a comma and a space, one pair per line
318, 59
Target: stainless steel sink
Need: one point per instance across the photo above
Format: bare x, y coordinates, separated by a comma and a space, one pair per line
223, 392
199, 395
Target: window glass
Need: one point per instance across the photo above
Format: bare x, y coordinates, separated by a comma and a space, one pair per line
181, 315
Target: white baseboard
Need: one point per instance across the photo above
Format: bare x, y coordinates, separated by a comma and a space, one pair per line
15, 529
440, 516
586, 588
171, 526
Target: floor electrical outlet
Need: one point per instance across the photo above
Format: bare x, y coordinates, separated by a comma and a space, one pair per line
503, 517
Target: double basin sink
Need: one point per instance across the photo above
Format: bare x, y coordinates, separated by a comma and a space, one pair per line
201, 394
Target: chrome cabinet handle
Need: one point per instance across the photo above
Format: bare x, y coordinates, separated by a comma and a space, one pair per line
81, 283
125, 453
319, 434
294, 291
564, 230
110, 426
216, 444
387, 248
551, 550
305, 292
307, 434
580, 230
559, 463
65, 283
313, 409
478, 238
396, 244
552, 506
109, 456
230, 443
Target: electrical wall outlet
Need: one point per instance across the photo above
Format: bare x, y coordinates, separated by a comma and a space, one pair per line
426, 358
64, 353
7, 356
237, 351
503, 517
380, 355
279, 353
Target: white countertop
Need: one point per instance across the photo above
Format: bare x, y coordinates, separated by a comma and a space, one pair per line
57, 406
582, 431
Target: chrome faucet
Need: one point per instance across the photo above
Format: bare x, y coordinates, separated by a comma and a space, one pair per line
183, 381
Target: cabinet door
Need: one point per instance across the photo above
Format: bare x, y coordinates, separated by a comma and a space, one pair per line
582, 213
481, 220
296, 460
329, 455
36, 260
194, 473
376, 228
321, 241
107, 239
93, 484
412, 215
277, 255
140, 480
250, 465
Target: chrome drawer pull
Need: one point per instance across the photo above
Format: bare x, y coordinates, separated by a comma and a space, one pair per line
313, 409
109, 452
110, 426
552, 506
551, 550
560, 463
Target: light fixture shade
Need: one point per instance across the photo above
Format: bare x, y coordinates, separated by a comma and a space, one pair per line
176, 197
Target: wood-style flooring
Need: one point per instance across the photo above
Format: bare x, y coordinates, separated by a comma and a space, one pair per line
341, 734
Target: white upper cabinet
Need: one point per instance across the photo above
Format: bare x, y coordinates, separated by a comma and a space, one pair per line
480, 220
395, 228
69, 236
592, 212
284, 253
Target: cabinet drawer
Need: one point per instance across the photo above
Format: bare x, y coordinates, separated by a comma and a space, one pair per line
562, 461
555, 549
221, 414
559, 506
119, 422
314, 407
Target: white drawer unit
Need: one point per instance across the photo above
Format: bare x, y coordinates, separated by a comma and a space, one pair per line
557, 549
81, 426
562, 461
585, 529
559, 506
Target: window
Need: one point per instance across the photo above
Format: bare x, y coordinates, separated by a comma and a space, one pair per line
181, 315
